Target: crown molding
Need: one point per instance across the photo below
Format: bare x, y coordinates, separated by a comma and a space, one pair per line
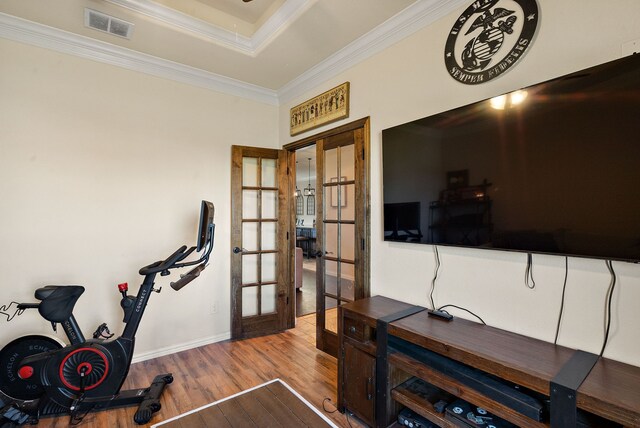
403, 24
250, 46
24, 31
400, 26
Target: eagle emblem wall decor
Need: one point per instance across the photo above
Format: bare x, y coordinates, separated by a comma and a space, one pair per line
489, 38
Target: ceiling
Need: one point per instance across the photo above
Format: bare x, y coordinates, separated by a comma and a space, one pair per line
266, 44
233, 15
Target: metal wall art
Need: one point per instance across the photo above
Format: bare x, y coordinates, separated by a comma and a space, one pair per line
489, 38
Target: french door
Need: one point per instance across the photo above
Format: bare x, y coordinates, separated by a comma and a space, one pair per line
260, 285
342, 245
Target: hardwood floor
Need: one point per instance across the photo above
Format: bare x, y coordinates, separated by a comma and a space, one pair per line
209, 373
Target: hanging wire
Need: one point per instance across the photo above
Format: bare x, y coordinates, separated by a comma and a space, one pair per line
564, 289
435, 276
528, 273
612, 286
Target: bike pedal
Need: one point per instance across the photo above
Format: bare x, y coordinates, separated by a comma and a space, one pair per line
14, 415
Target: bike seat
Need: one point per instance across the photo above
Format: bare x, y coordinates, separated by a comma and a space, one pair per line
57, 301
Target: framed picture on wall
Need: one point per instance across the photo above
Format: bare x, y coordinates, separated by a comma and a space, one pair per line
325, 108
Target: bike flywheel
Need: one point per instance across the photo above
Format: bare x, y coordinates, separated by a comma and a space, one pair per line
12, 384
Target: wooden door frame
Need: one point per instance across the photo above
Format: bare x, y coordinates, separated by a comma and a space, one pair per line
290, 148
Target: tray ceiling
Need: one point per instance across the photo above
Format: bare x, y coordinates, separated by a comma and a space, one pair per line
263, 43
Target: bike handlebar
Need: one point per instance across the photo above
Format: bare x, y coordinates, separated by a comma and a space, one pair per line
165, 264
180, 254
188, 277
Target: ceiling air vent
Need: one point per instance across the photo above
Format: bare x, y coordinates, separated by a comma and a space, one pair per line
108, 24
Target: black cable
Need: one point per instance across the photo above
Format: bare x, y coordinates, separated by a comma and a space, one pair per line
333, 411
612, 287
4, 310
463, 309
435, 276
528, 273
75, 420
564, 288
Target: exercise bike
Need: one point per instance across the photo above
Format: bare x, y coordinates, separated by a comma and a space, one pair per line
40, 377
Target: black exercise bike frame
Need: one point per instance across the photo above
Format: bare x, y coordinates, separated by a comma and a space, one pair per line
126, 340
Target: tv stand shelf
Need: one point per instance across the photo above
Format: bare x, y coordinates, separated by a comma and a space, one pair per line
611, 390
407, 396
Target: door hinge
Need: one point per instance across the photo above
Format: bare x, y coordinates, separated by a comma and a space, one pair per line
287, 300
362, 154
287, 170
287, 236
363, 243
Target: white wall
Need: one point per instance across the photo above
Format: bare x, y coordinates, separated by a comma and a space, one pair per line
409, 81
101, 172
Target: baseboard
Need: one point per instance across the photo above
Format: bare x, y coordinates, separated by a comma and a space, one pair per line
180, 347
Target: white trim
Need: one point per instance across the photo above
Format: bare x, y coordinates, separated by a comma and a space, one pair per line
403, 24
43, 36
180, 347
300, 397
251, 46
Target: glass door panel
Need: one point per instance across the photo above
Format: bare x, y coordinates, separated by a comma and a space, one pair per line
249, 269
330, 165
348, 209
347, 241
249, 204
347, 163
269, 236
269, 204
347, 282
250, 234
268, 267
331, 278
249, 172
331, 315
269, 173
331, 239
268, 303
249, 301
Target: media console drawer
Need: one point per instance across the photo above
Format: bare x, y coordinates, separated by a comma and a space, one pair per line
358, 330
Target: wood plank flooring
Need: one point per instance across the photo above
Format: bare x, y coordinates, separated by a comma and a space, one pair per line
270, 405
210, 373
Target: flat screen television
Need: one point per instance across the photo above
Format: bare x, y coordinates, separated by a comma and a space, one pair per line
553, 168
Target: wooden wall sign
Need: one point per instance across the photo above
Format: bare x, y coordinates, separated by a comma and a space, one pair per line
325, 108
489, 38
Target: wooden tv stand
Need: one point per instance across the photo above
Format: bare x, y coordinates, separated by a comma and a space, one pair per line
375, 377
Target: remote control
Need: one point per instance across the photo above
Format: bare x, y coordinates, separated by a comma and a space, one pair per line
440, 314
